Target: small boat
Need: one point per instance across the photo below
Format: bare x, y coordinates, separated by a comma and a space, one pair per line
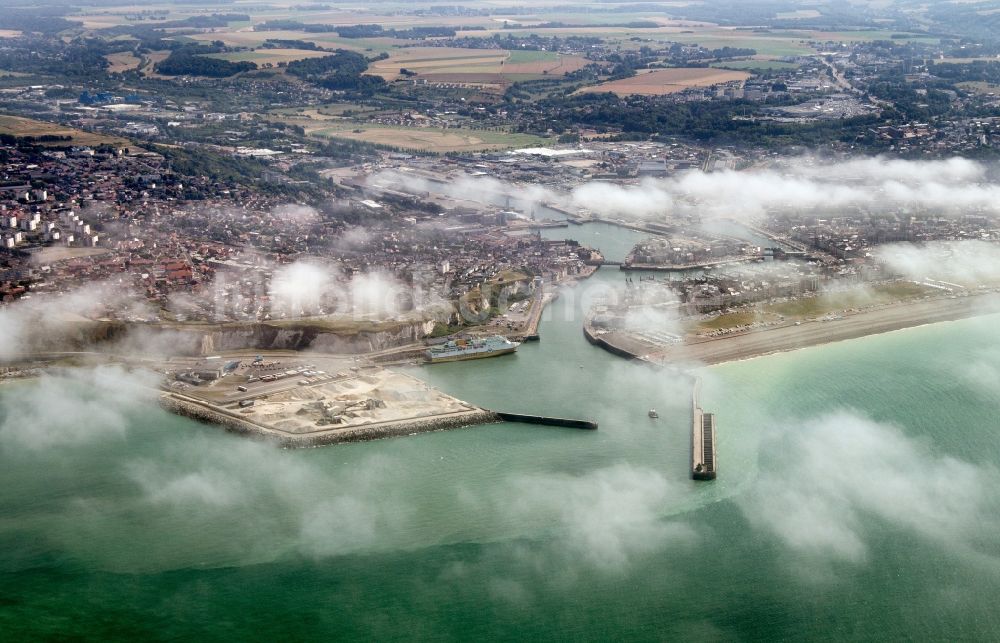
653, 414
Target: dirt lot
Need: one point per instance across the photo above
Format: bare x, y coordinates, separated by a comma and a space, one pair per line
396, 397
668, 81
59, 253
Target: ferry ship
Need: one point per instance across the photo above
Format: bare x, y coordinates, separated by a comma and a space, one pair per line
476, 348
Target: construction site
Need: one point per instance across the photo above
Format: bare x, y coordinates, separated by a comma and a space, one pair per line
299, 404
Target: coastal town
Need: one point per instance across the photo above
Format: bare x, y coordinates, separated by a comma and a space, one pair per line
498, 320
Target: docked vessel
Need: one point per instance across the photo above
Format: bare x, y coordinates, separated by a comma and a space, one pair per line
476, 348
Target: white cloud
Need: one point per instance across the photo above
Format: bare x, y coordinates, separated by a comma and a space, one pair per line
949, 186
968, 263
821, 482
74, 407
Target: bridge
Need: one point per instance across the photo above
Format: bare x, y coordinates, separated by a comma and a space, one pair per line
781, 253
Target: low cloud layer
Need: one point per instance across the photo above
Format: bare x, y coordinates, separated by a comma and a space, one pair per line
74, 407
31, 324
967, 263
949, 186
605, 517
601, 520
306, 288
823, 482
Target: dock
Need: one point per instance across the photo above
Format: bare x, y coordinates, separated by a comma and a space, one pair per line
703, 455
529, 333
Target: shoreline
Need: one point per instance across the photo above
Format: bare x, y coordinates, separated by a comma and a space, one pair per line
787, 338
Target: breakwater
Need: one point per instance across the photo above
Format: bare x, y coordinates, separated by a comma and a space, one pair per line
547, 421
233, 423
703, 460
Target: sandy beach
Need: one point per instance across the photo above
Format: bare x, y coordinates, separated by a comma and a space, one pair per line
791, 337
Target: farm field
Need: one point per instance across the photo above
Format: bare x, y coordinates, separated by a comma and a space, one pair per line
17, 126
667, 81
269, 56
347, 14
489, 66
766, 43
798, 14
869, 36
122, 62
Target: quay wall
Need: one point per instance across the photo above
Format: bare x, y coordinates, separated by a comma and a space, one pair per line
596, 340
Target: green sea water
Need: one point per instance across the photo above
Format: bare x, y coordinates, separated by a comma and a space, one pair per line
857, 499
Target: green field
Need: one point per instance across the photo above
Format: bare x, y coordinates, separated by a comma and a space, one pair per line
872, 35
755, 65
730, 320
776, 43
817, 306
826, 303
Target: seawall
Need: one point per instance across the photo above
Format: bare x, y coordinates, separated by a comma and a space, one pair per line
599, 341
